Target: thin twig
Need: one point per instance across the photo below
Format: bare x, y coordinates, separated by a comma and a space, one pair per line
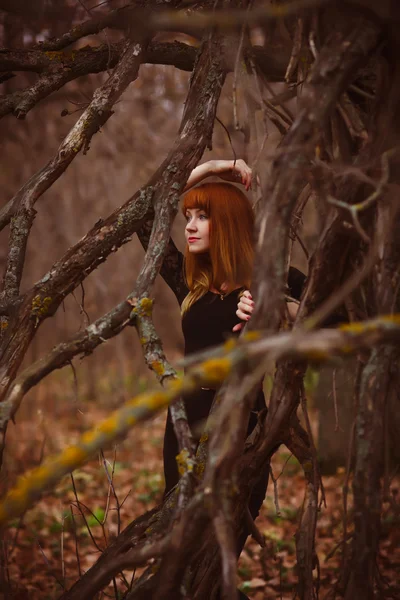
276, 493
349, 460
254, 531
296, 48
51, 572
78, 560
229, 138
63, 572
78, 506
335, 406
380, 187
316, 472
112, 487
239, 54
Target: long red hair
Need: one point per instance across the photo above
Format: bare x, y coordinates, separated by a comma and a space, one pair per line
230, 257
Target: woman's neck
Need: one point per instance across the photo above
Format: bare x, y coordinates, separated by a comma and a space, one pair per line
225, 287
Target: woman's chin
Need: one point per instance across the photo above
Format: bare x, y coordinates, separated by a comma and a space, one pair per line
198, 250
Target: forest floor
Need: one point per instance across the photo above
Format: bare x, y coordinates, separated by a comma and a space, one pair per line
49, 547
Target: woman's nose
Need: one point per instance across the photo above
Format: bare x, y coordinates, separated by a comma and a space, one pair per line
191, 226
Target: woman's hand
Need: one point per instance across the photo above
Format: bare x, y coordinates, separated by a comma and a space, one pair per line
245, 309
231, 170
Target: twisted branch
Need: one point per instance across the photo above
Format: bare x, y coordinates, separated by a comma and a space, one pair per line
315, 346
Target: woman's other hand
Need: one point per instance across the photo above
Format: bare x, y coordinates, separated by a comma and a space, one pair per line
245, 309
237, 171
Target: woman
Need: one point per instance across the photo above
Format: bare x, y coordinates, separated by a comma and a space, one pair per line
218, 266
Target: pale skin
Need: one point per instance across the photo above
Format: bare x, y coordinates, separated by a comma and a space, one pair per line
246, 307
229, 170
197, 226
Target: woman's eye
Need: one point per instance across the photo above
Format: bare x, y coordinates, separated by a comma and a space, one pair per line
202, 217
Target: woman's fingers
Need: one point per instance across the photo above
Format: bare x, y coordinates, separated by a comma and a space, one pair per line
246, 294
245, 172
233, 170
245, 308
244, 316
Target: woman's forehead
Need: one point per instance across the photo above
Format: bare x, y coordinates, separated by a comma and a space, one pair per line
194, 209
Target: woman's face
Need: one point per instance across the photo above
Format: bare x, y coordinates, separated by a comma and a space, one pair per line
197, 231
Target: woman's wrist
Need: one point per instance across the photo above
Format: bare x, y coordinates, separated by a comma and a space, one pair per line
221, 166
213, 167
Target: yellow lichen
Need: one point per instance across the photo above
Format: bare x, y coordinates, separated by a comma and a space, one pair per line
204, 437
158, 367
216, 369
72, 456
353, 327
55, 55
156, 400
39, 476
199, 469
230, 345
146, 304
138, 400
175, 385
88, 437
109, 426
41, 306
17, 497
395, 319
251, 336
183, 462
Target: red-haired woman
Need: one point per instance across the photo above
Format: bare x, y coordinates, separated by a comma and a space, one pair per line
218, 267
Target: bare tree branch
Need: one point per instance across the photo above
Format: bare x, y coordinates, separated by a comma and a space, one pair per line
315, 346
157, 362
79, 138
344, 51
58, 68
228, 20
118, 18
172, 267
164, 188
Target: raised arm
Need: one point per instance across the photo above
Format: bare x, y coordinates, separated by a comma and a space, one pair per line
230, 170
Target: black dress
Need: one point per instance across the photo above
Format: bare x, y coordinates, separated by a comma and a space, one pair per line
207, 323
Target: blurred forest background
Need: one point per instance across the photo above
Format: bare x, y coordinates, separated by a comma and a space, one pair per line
121, 159
43, 554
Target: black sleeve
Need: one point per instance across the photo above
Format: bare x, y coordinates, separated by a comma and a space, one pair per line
296, 281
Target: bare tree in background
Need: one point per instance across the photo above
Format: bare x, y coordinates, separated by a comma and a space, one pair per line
328, 79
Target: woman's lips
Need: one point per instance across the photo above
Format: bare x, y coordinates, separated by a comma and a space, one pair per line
192, 239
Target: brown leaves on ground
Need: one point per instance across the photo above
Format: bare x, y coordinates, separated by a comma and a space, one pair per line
62, 537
